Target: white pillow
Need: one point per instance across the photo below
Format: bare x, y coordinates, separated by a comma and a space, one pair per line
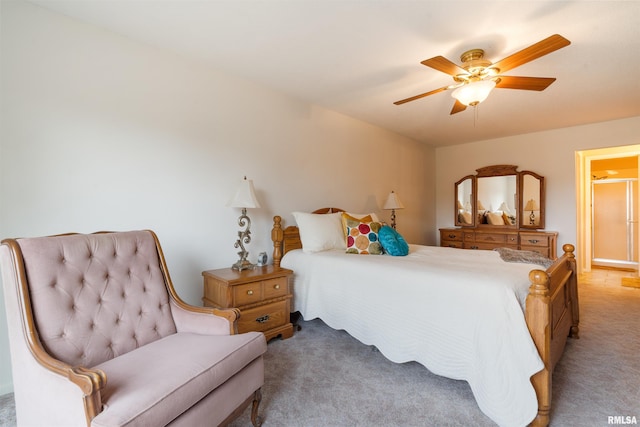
320, 232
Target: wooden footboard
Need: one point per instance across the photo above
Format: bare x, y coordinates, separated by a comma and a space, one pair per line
552, 315
551, 312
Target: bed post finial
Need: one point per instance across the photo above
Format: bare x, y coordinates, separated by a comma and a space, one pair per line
277, 236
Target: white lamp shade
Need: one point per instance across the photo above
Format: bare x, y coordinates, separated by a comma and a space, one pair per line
480, 206
474, 93
245, 197
503, 207
393, 202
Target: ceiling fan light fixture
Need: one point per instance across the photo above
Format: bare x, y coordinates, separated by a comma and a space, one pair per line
474, 93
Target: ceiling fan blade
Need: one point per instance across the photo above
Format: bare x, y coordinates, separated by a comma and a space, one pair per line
524, 83
458, 107
535, 51
422, 95
441, 63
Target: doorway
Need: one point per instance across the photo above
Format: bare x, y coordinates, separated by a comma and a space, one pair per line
595, 171
614, 225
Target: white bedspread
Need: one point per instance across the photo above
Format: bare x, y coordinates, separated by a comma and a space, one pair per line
459, 313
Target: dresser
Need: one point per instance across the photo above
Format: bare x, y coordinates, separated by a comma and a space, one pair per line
263, 296
543, 242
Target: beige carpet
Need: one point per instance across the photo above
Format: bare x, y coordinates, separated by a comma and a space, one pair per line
323, 377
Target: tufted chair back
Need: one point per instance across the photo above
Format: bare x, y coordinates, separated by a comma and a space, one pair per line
95, 297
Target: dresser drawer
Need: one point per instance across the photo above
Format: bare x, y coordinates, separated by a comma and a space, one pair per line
491, 238
274, 288
539, 249
451, 244
492, 246
533, 240
455, 235
247, 293
264, 317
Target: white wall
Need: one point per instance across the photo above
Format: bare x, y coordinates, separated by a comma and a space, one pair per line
550, 154
102, 133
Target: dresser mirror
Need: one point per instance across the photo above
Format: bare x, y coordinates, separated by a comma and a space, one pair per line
464, 201
500, 196
531, 200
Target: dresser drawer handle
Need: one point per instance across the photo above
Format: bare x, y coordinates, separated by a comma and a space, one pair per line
534, 241
276, 287
249, 292
263, 319
452, 236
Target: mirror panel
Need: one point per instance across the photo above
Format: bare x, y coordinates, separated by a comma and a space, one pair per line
531, 200
464, 201
497, 200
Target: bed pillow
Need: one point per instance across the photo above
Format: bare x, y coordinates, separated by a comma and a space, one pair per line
363, 238
495, 218
320, 232
392, 242
373, 216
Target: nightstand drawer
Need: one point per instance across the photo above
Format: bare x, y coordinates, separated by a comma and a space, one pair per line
274, 288
264, 317
247, 294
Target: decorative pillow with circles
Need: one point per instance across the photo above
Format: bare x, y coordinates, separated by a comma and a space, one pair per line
362, 238
352, 220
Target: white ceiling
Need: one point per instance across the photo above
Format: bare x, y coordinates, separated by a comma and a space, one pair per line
359, 56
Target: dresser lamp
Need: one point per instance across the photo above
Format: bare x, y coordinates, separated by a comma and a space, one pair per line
393, 202
532, 205
245, 198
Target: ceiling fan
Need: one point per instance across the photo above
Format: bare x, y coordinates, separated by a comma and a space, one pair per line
476, 77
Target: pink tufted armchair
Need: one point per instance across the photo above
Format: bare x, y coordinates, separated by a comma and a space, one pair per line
99, 337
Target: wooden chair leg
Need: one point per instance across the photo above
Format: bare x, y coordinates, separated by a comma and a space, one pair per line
256, 420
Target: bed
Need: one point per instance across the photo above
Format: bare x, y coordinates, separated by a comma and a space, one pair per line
467, 315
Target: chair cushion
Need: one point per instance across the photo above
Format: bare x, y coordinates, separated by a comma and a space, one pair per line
186, 367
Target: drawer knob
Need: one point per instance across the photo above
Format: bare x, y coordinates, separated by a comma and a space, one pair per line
452, 236
276, 287
263, 319
249, 292
533, 241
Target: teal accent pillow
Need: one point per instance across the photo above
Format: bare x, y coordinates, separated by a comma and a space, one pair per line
392, 242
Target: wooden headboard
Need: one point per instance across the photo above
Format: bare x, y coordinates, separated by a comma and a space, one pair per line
285, 240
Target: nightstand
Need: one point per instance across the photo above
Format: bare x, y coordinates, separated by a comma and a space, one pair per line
263, 296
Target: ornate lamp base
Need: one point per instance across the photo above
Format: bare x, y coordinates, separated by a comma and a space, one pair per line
243, 264
244, 236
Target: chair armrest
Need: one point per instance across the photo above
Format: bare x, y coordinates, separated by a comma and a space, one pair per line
204, 320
